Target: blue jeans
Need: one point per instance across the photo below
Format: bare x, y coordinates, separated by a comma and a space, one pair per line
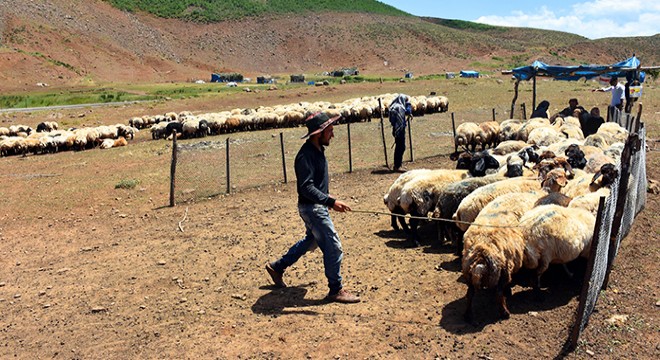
320, 232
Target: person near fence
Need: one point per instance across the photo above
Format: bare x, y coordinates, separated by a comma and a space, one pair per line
311, 168
618, 91
541, 110
400, 111
590, 122
573, 105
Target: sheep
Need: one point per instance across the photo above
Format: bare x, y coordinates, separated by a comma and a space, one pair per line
420, 195
509, 130
615, 150
614, 131
107, 143
599, 140
491, 130
47, 126
469, 208
492, 255
481, 162
444, 104
4, 131
120, 142
596, 161
468, 134
543, 136
173, 126
586, 182
449, 197
391, 198
575, 157
557, 235
129, 131
508, 147
530, 125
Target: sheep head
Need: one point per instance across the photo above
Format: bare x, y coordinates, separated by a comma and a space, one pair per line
481, 266
608, 174
555, 180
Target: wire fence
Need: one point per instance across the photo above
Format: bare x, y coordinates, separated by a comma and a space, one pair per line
221, 164
615, 219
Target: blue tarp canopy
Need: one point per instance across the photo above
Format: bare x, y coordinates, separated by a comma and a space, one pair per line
469, 74
624, 69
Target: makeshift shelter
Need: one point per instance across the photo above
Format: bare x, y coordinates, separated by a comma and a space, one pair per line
297, 78
469, 74
629, 69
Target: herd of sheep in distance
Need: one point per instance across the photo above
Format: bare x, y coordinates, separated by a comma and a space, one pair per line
23, 139
524, 194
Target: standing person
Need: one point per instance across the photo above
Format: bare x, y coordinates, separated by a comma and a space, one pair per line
313, 203
618, 92
399, 108
569, 111
541, 110
590, 122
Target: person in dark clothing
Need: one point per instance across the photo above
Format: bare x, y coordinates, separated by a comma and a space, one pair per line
313, 203
590, 122
399, 109
541, 110
570, 110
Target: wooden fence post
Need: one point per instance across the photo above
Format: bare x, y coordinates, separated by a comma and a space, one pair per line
173, 169
410, 137
453, 128
382, 131
283, 158
350, 151
494, 114
515, 97
523, 107
228, 167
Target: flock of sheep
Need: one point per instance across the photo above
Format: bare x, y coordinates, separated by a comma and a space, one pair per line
22, 139
188, 125
528, 199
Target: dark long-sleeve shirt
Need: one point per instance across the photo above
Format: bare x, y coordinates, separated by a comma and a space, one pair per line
312, 176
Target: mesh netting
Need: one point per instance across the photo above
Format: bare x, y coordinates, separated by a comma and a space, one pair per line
631, 203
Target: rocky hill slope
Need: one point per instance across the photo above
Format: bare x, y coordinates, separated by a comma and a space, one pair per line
70, 43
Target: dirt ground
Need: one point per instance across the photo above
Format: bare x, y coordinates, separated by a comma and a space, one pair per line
93, 272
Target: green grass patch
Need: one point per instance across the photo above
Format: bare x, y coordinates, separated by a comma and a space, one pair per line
127, 184
207, 11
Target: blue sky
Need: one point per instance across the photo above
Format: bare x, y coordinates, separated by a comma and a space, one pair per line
592, 19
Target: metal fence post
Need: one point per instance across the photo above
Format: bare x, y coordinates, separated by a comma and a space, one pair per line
494, 114
453, 128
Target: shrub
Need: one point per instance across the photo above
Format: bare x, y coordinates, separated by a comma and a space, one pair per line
127, 184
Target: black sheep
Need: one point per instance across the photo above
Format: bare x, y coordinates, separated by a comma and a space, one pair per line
481, 162
172, 127
575, 156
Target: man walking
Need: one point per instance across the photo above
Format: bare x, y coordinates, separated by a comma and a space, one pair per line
313, 203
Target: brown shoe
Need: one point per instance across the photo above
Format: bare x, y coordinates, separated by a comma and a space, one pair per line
344, 297
277, 277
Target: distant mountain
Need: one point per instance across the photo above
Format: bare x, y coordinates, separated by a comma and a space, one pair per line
71, 43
